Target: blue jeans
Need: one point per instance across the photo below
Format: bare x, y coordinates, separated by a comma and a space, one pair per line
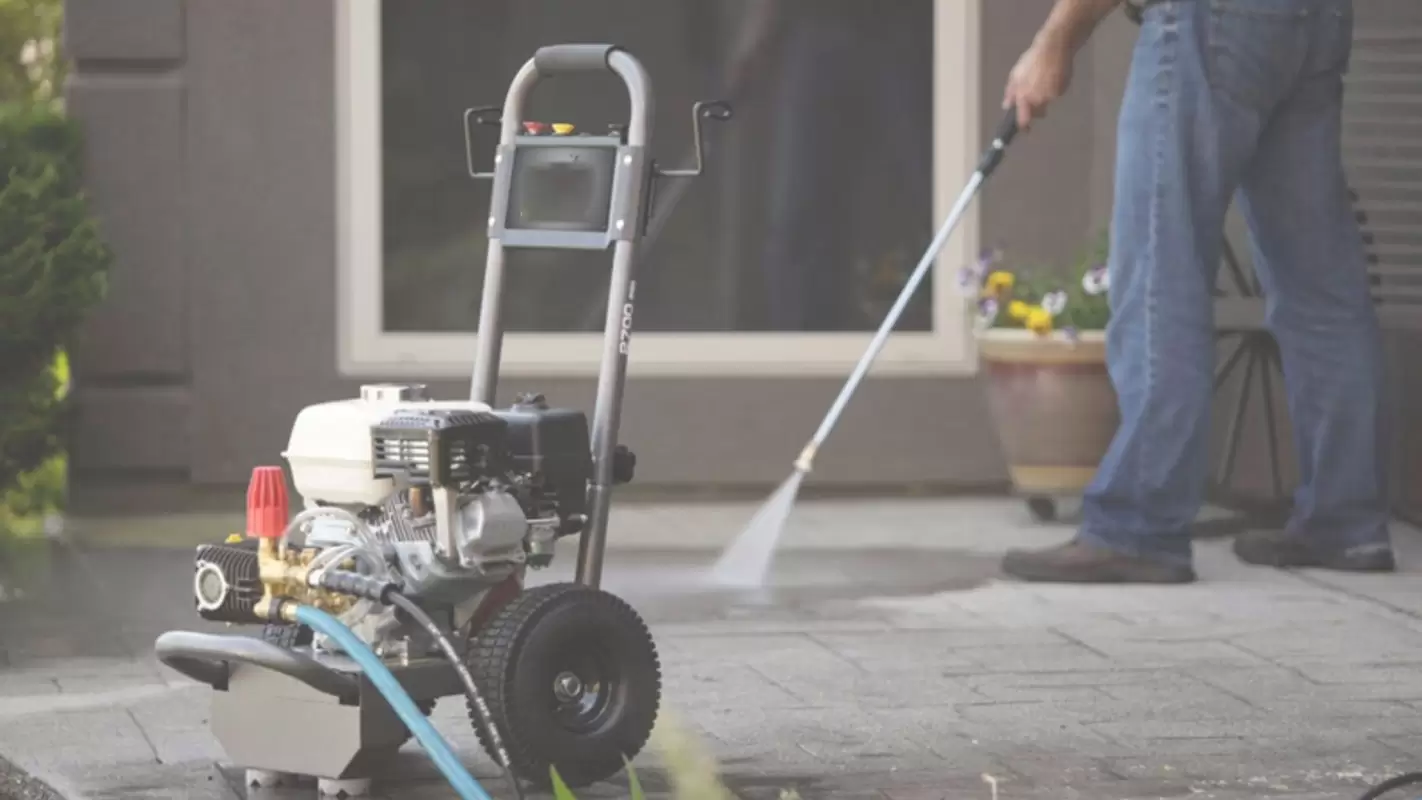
1238, 98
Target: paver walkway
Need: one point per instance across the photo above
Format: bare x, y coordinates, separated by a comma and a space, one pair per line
906, 672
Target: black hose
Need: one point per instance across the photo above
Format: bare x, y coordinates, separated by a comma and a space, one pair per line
1391, 784
471, 691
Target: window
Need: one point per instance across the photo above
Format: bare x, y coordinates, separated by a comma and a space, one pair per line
855, 129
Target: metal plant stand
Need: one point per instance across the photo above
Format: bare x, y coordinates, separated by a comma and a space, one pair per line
1239, 327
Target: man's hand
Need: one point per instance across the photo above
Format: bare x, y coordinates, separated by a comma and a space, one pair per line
1041, 75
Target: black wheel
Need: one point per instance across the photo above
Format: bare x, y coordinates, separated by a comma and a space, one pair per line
1043, 509
572, 680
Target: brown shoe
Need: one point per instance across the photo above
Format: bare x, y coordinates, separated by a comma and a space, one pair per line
1078, 562
1278, 548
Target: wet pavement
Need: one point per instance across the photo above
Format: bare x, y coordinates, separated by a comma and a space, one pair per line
898, 672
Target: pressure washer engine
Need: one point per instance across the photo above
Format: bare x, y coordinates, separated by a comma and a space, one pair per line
403, 579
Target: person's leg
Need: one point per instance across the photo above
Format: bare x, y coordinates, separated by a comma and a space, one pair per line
1311, 263
1182, 147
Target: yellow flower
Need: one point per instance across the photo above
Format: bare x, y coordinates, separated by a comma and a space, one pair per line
1039, 321
1018, 310
999, 282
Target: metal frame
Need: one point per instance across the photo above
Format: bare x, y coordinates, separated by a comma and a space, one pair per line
626, 226
334, 723
1240, 320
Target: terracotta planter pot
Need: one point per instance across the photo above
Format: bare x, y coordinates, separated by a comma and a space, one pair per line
1053, 406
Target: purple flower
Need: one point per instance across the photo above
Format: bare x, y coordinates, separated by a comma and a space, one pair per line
969, 280
987, 312
989, 256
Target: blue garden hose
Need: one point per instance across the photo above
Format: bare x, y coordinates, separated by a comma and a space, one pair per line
429, 738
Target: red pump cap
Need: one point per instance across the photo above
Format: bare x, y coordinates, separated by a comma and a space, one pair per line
535, 128
268, 510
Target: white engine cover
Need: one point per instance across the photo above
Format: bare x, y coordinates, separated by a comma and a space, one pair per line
330, 447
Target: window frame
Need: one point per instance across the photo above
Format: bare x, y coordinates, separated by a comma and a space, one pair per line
366, 350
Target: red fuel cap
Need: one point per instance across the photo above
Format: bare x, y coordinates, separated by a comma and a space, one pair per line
535, 128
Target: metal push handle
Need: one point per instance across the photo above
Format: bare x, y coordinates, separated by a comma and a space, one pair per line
549, 62
564, 58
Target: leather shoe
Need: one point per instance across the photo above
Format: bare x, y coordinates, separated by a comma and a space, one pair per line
1079, 562
1278, 548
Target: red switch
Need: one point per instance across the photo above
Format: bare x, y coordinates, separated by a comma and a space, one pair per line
268, 510
535, 128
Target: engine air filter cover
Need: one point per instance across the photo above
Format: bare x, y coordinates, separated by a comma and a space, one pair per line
444, 447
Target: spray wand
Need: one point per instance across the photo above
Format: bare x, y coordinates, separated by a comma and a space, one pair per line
747, 560
1006, 131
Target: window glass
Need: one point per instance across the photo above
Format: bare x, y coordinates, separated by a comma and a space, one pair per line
816, 204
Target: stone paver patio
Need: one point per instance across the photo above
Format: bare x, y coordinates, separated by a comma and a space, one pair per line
888, 661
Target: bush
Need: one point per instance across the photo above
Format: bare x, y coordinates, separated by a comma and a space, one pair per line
53, 265
31, 69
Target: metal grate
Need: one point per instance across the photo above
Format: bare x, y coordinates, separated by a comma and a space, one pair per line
1382, 151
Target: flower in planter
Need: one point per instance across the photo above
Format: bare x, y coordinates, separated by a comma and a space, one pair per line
1039, 321
1055, 302
970, 278
1044, 300
998, 283
987, 312
1096, 280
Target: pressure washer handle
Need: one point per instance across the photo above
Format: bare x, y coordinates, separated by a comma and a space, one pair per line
560, 59
1001, 138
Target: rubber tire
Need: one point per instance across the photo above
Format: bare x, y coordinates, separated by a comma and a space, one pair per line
1042, 509
504, 659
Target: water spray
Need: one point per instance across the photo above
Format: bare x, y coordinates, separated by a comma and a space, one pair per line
747, 561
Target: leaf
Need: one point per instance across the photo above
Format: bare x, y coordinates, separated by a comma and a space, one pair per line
560, 789
634, 786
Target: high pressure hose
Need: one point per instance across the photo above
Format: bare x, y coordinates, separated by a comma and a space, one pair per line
471, 691
439, 750
1391, 784
387, 593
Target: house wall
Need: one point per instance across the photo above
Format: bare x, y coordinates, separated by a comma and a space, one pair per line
211, 130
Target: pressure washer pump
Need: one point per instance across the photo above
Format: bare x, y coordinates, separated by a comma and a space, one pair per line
402, 581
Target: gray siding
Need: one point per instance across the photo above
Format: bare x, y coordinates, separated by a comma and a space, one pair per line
211, 159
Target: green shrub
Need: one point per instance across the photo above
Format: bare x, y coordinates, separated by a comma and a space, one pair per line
31, 69
53, 265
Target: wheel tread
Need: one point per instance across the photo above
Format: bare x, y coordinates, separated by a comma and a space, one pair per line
492, 648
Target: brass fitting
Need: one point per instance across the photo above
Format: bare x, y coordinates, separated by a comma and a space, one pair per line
285, 574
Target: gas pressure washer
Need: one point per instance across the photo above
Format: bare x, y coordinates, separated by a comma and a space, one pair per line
403, 579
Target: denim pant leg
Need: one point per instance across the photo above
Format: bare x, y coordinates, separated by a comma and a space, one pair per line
1309, 255
1180, 156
